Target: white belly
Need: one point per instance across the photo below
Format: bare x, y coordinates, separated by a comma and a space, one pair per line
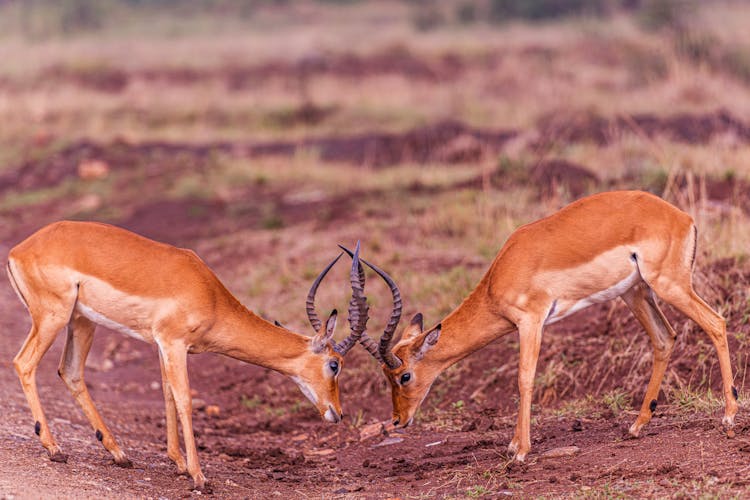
119, 311
563, 310
100, 319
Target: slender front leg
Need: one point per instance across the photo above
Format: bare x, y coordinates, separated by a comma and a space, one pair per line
530, 338
174, 357
173, 436
72, 364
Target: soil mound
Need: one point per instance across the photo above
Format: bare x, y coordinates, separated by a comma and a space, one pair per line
694, 128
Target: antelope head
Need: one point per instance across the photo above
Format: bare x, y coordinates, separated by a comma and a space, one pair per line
402, 358
317, 378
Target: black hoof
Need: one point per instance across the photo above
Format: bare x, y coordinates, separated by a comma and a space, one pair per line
59, 457
207, 489
125, 464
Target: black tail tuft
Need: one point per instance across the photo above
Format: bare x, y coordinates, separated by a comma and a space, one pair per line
695, 246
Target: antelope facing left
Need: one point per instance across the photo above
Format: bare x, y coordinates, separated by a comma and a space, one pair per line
79, 274
627, 244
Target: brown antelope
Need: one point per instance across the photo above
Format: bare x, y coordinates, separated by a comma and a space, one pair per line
627, 244
81, 274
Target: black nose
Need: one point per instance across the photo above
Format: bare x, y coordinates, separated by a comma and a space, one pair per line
395, 422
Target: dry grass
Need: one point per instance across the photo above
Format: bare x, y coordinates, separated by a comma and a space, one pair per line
512, 76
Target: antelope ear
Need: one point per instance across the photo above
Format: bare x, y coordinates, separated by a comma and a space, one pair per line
331, 324
418, 320
320, 340
415, 328
427, 342
275, 322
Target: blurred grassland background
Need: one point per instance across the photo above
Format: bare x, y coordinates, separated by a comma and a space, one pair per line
176, 101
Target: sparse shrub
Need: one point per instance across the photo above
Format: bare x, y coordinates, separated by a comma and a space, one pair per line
736, 62
466, 13
696, 47
477, 491
645, 66
250, 403
617, 400
502, 10
655, 180
512, 169
44, 18
692, 400
272, 221
196, 211
661, 14
82, 15
427, 17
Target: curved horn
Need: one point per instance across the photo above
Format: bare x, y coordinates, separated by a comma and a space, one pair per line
384, 349
358, 309
385, 340
310, 304
360, 269
371, 346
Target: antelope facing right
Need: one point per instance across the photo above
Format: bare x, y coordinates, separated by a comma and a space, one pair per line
80, 274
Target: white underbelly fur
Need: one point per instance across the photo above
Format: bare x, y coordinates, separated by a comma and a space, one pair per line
596, 298
100, 319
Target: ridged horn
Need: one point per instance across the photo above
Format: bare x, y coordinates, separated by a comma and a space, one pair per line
310, 303
384, 347
358, 308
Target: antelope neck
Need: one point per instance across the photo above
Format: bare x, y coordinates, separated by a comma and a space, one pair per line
471, 326
245, 336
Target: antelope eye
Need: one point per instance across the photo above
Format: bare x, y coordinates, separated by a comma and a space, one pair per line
334, 366
405, 378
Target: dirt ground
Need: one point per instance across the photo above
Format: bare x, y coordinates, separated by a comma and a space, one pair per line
267, 441
254, 453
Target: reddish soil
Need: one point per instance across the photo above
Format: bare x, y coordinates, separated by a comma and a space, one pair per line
449, 142
693, 128
267, 441
395, 60
272, 444
445, 142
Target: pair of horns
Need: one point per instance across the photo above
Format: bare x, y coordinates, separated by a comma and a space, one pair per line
358, 308
382, 350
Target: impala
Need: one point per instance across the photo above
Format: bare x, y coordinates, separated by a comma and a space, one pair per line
627, 244
81, 274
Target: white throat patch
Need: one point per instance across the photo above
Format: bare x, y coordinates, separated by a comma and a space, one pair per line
306, 390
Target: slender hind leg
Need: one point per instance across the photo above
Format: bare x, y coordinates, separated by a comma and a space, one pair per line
689, 303
641, 302
43, 331
72, 364
173, 436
